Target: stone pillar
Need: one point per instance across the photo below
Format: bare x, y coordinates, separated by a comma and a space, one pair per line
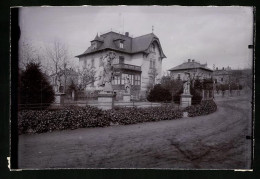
185, 100
126, 97
106, 100
59, 98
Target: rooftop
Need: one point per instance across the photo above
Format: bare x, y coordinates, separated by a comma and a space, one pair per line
190, 64
131, 45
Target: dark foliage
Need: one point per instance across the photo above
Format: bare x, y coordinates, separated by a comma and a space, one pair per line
158, 94
198, 84
171, 84
208, 84
35, 89
39, 121
206, 107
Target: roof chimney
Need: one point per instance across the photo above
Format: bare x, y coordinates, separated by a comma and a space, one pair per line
193, 60
188, 60
127, 34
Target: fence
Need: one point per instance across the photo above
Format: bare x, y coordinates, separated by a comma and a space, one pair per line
117, 104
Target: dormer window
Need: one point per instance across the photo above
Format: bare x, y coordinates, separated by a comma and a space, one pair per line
94, 45
121, 44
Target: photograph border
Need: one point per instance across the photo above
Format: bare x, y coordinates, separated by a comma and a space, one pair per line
91, 173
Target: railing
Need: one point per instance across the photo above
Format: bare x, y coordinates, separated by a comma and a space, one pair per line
94, 103
127, 66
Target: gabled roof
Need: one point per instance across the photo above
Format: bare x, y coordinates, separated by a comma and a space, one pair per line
131, 45
190, 65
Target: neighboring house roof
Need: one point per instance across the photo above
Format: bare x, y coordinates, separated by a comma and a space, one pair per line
189, 66
131, 45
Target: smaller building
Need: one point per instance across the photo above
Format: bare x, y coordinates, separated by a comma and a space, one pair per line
232, 76
222, 76
196, 70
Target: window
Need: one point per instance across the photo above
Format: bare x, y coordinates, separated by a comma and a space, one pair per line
121, 60
85, 63
137, 80
116, 80
153, 48
92, 62
100, 61
222, 79
121, 44
151, 79
179, 76
94, 45
124, 78
131, 79
152, 63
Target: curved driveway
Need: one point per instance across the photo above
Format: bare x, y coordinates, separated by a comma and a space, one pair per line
214, 141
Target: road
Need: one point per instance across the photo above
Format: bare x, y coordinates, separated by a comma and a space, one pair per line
215, 141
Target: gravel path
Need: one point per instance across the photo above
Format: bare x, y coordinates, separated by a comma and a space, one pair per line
215, 141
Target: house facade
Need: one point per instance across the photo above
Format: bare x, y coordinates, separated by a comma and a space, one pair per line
138, 58
222, 76
196, 70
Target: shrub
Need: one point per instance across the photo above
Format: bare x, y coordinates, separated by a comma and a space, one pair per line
158, 93
135, 115
206, 107
34, 87
39, 121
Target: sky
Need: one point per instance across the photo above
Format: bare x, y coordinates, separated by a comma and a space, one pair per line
214, 35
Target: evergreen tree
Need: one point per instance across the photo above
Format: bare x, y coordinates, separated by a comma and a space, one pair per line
158, 94
34, 87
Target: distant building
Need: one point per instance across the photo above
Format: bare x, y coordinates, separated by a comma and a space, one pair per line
139, 58
195, 69
235, 76
222, 76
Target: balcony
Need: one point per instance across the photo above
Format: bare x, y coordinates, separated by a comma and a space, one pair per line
127, 67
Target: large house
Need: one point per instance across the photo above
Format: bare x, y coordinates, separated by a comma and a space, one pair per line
138, 58
195, 69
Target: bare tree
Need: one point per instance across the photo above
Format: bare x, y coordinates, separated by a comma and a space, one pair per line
59, 57
86, 77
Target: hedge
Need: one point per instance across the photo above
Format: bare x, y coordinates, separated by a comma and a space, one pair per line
40, 121
73, 117
204, 108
